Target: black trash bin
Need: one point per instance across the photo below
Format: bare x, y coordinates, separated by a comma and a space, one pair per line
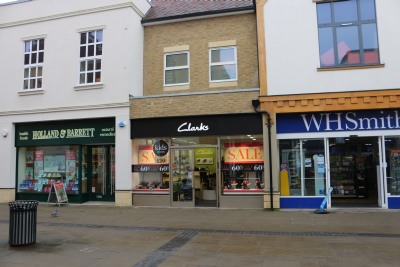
23, 219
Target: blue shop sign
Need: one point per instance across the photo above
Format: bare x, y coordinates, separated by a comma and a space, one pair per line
356, 120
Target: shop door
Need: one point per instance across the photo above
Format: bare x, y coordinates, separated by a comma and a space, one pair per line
182, 162
102, 180
353, 171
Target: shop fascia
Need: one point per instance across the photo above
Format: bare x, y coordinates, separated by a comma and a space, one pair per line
339, 121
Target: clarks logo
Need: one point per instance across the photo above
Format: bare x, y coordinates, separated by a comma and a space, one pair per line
187, 127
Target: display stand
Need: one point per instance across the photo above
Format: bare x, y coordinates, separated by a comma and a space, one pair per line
57, 194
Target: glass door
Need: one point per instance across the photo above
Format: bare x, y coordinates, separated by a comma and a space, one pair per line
102, 180
182, 177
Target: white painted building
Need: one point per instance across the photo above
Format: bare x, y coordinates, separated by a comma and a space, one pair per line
67, 71
332, 87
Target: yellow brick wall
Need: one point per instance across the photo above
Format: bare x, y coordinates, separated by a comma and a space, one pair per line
188, 105
197, 34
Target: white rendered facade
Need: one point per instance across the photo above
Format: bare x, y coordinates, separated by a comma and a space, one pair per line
61, 97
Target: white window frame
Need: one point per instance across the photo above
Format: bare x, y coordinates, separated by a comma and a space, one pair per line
29, 67
88, 58
177, 68
223, 63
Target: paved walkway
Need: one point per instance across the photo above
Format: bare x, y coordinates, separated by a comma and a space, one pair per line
93, 235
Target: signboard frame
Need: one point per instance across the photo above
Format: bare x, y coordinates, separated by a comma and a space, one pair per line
58, 189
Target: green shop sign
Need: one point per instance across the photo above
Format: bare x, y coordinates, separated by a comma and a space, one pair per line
66, 133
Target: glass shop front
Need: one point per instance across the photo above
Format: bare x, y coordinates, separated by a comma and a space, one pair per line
198, 161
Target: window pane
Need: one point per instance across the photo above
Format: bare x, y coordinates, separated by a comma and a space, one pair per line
99, 50
345, 11
82, 78
26, 82
26, 59
98, 64
34, 58
83, 51
177, 60
348, 45
90, 65
83, 66
222, 55
27, 46
91, 37
326, 52
34, 45
26, 73
324, 13
90, 78
39, 83
98, 76
99, 36
370, 43
40, 69
41, 57
33, 72
223, 72
177, 76
83, 38
41, 44
367, 8
90, 51
32, 84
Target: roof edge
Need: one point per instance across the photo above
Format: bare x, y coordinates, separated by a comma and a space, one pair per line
198, 15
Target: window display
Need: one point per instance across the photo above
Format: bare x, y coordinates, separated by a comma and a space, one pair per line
151, 173
242, 167
40, 167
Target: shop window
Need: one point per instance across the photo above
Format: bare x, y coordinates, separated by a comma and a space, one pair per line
347, 33
176, 68
40, 167
392, 145
33, 64
223, 64
151, 166
91, 51
303, 169
242, 165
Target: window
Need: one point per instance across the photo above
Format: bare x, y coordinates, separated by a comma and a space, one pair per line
176, 68
223, 66
91, 50
33, 64
347, 33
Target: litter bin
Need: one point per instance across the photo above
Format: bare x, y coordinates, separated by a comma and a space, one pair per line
23, 218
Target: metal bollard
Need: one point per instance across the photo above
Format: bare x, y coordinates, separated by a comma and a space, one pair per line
23, 220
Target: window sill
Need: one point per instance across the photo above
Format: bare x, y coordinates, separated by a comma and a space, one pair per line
223, 84
176, 87
31, 92
89, 86
352, 67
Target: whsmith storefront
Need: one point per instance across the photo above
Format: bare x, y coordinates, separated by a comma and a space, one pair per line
198, 161
357, 153
80, 154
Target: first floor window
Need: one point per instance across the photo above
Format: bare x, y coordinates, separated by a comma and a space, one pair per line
176, 68
223, 64
347, 33
33, 64
91, 51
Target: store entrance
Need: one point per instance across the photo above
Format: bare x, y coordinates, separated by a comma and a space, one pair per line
101, 181
193, 177
353, 174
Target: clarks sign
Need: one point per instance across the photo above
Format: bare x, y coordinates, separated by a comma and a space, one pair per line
188, 127
339, 121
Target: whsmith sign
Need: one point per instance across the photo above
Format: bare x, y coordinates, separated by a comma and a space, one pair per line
338, 121
66, 133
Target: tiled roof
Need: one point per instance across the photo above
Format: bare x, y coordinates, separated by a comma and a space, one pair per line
172, 9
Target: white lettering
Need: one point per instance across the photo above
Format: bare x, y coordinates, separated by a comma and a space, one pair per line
187, 127
313, 119
351, 120
328, 122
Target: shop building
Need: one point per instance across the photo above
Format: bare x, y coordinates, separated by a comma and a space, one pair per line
196, 139
65, 108
336, 119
